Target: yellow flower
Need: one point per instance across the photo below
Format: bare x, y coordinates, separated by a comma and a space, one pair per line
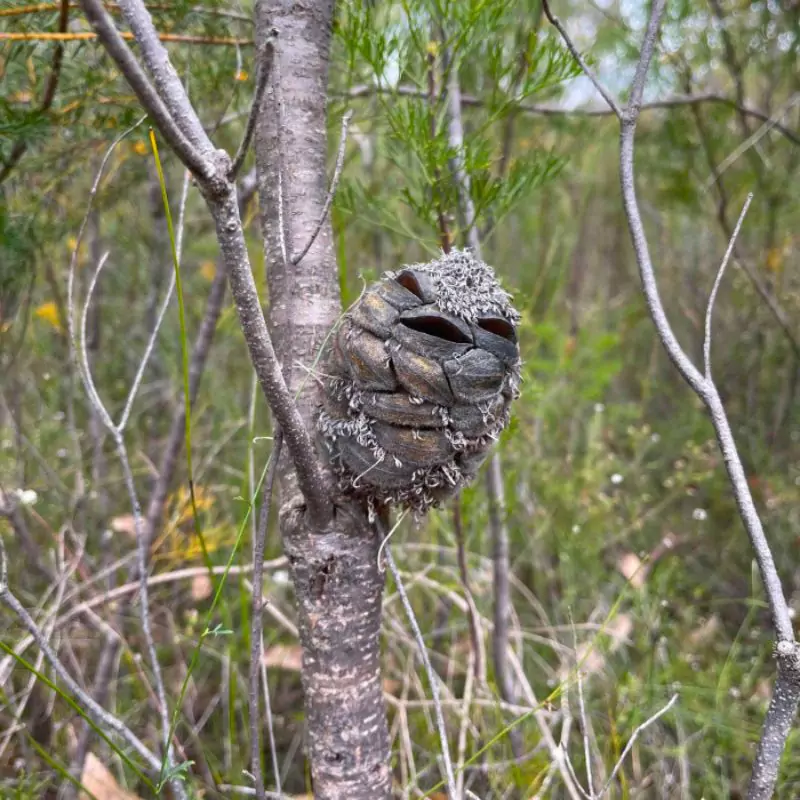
241, 75
140, 148
49, 313
208, 269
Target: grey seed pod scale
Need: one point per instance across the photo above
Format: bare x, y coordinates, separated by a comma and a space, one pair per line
423, 367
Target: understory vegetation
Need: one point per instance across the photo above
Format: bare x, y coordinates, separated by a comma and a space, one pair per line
631, 575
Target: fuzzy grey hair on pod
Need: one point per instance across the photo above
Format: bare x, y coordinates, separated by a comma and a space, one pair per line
423, 367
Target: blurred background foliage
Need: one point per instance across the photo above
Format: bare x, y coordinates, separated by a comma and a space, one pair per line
624, 534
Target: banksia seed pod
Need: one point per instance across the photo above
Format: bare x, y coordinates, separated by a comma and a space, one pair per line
422, 370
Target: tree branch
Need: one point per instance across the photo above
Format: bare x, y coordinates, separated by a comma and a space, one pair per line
262, 82
676, 101
786, 692
715, 289
433, 678
588, 71
107, 722
257, 623
148, 97
337, 174
167, 82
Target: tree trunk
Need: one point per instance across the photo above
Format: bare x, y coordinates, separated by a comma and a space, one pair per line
335, 570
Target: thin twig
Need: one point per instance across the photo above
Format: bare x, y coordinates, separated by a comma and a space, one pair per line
161, 312
257, 624
167, 81
107, 722
676, 101
337, 174
584, 724
713, 296
119, 441
118, 50
632, 741
430, 672
262, 82
588, 71
786, 693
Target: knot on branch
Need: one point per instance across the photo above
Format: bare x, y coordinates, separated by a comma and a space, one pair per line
787, 654
425, 366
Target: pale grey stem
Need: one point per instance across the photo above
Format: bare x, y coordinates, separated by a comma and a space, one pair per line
494, 478
310, 475
110, 724
148, 97
273, 750
645, 57
433, 678
167, 81
337, 174
786, 692
715, 289
141, 538
587, 749
632, 741
588, 71
151, 343
667, 103
73, 263
83, 354
573, 776
257, 623
144, 609
455, 131
262, 82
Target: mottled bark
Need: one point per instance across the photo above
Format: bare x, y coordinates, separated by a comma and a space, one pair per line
333, 562
339, 588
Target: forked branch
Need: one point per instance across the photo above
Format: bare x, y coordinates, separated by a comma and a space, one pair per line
786, 693
169, 106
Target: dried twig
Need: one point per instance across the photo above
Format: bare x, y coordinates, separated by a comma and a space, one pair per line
262, 82
713, 296
107, 722
433, 678
257, 626
588, 71
337, 174
676, 101
632, 741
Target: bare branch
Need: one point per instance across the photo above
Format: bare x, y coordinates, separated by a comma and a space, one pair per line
433, 678
107, 722
167, 82
262, 82
645, 57
257, 623
676, 101
150, 100
311, 478
713, 296
337, 174
606, 95
786, 693
148, 351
